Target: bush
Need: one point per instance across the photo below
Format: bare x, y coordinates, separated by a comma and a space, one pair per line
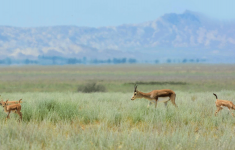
91, 87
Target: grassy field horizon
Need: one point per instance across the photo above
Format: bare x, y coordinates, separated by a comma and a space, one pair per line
118, 78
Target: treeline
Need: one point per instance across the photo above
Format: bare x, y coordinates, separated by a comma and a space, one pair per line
45, 60
84, 60
184, 60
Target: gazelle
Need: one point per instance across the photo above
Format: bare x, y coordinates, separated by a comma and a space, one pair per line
10, 102
223, 103
14, 107
156, 96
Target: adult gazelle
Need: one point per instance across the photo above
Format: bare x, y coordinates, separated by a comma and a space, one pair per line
156, 96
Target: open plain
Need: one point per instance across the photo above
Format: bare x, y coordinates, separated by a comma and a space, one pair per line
57, 116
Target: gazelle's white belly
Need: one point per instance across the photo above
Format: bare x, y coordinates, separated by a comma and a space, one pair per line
163, 99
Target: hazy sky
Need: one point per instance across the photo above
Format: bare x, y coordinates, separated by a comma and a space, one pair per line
97, 13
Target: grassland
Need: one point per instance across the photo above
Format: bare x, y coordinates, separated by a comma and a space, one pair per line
56, 116
119, 78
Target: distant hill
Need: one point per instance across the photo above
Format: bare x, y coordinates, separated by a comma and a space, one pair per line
174, 36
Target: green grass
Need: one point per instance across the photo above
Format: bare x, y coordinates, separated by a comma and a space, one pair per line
117, 78
112, 121
57, 116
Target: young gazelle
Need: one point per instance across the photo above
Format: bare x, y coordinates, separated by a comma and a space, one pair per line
156, 96
10, 102
14, 107
223, 103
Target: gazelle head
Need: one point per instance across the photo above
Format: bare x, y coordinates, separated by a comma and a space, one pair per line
4, 103
136, 93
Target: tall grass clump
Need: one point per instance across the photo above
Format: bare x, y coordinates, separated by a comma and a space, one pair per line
55, 111
91, 87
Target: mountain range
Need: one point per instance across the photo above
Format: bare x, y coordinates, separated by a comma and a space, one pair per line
174, 36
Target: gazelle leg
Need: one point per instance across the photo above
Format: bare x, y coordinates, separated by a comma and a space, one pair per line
149, 104
8, 115
231, 112
165, 104
20, 114
172, 98
218, 109
156, 103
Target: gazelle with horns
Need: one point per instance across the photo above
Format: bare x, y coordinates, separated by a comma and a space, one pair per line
156, 96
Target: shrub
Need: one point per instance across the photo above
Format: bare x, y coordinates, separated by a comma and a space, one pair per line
91, 87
